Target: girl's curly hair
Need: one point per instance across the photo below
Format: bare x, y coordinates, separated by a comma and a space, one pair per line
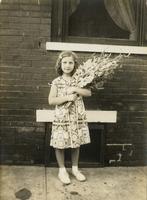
63, 55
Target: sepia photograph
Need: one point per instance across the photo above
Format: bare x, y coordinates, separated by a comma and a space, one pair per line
73, 83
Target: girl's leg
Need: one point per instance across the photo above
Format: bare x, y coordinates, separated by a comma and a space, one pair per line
63, 175
75, 156
75, 159
60, 157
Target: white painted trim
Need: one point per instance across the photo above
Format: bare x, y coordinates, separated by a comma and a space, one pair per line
92, 116
81, 47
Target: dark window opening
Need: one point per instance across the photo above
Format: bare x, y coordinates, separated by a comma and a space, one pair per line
100, 21
91, 19
90, 154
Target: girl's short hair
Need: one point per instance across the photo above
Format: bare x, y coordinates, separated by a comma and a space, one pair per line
63, 55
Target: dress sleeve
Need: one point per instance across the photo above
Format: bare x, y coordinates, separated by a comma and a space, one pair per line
55, 82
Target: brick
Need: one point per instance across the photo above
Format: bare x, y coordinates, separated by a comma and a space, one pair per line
30, 7
22, 154
9, 6
6, 32
16, 112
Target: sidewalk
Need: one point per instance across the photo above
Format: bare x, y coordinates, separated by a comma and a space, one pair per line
39, 183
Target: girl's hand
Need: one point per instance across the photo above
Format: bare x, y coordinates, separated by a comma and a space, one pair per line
71, 90
72, 97
79, 91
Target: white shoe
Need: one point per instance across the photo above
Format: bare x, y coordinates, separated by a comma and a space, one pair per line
64, 177
79, 176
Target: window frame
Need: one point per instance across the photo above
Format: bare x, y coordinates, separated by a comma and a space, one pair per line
144, 40
59, 27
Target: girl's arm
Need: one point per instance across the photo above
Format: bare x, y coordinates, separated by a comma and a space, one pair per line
81, 91
54, 100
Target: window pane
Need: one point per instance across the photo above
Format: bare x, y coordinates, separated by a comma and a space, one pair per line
103, 18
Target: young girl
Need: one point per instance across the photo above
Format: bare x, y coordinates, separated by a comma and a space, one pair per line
69, 128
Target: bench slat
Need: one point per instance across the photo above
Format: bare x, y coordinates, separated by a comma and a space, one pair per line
92, 116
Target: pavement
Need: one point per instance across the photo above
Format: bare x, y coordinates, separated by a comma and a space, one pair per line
40, 183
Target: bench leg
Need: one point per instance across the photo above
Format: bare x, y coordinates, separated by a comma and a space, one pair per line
47, 143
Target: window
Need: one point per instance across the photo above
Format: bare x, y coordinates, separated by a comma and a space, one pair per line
100, 21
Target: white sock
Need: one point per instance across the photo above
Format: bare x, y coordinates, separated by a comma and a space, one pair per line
74, 168
62, 169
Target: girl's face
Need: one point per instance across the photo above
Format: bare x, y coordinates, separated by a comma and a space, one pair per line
67, 65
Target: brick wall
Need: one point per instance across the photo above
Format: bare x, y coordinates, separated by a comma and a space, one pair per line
26, 68
24, 29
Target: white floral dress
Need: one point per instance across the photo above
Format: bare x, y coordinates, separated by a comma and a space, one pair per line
69, 128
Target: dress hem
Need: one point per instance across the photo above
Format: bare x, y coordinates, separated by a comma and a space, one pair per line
69, 147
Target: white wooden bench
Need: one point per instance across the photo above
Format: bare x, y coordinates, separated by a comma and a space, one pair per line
92, 116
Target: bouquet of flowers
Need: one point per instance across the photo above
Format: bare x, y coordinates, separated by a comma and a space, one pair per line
96, 71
